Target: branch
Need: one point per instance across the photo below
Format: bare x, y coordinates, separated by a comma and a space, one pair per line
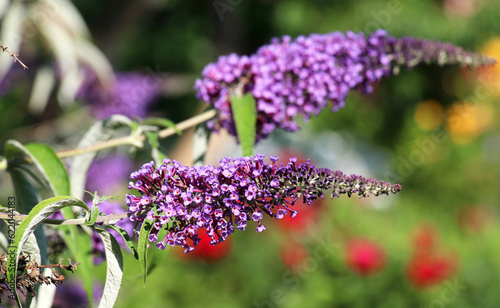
16, 59
77, 221
133, 141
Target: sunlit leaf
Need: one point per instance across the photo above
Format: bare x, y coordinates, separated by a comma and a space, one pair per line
245, 119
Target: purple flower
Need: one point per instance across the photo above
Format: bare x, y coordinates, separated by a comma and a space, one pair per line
232, 206
71, 294
132, 94
302, 76
108, 173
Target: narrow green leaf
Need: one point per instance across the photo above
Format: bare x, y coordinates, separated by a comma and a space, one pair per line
50, 170
142, 246
99, 132
157, 155
245, 119
35, 217
126, 238
163, 123
52, 166
157, 256
26, 195
152, 139
26, 198
114, 271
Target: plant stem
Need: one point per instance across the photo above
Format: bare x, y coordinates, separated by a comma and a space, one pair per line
138, 140
16, 59
77, 221
207, 115
102, 145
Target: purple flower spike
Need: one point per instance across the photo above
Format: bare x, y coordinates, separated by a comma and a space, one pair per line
233, 205
302, 76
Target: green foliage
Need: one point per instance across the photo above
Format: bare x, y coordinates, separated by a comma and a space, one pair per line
378, 131
143, 245
245, 119
35, 217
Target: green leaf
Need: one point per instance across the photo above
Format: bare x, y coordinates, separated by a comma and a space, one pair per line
126, 237
26, 199
157, 255
142, 246
49, 169
153, 141
114, 271
157, 155
35, 217
245, 119
94, 213
99, 132
26, 194
52, 166
163, 123
50, 172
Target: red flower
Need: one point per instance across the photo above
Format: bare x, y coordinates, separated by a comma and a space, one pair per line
206, 252
364, 256
430, 268
425, 239
293, 255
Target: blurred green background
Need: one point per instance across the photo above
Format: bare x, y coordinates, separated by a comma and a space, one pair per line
433, 129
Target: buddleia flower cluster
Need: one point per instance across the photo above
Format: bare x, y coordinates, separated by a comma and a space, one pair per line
302, 76
181, 199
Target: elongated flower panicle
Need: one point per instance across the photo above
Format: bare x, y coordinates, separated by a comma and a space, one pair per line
182, 199
300, 77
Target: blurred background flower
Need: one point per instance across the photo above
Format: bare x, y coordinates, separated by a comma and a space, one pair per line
71, 294
206, 252
429, 265
364, 256
132, 95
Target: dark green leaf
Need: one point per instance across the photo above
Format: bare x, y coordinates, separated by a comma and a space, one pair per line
142, 246
245, 118
52, 166
126, 238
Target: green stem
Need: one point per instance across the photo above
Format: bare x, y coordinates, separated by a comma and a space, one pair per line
132, 140
137, 141
77, 221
